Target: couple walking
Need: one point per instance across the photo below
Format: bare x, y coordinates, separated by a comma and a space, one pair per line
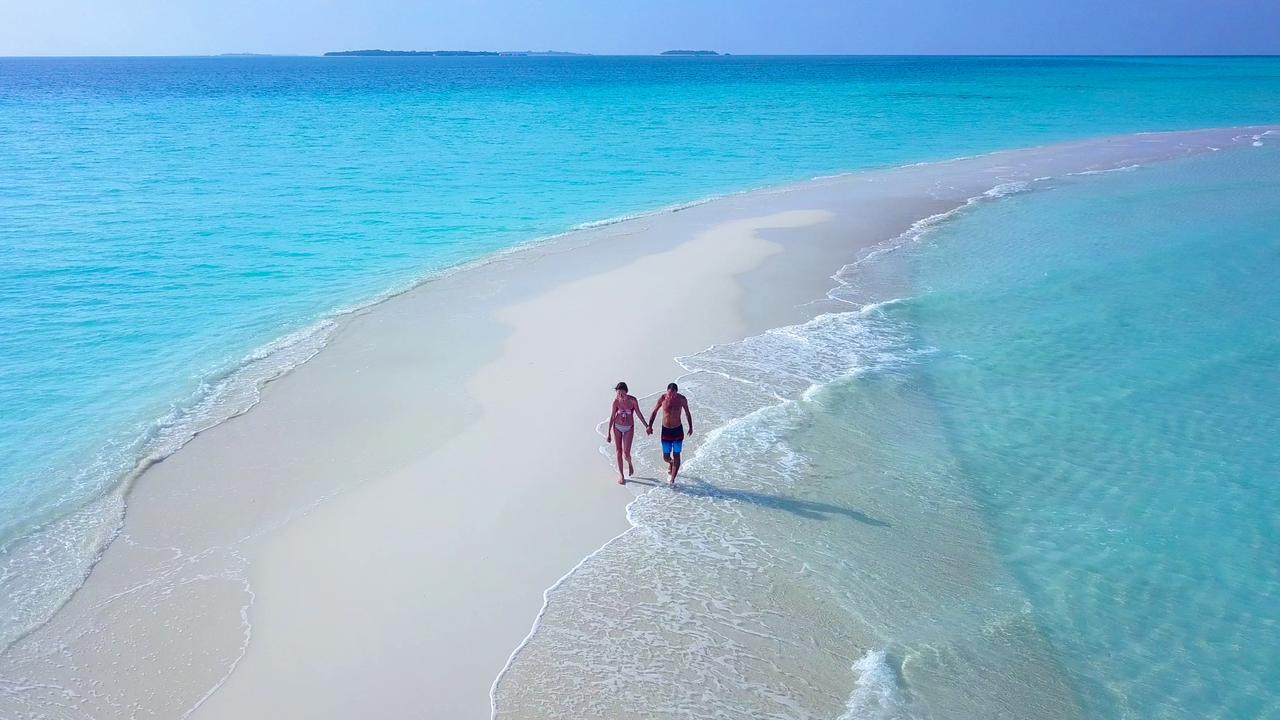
622, 427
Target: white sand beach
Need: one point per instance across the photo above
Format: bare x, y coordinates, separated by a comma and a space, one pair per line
374, 537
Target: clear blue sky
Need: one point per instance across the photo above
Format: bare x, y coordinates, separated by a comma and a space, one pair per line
161, 27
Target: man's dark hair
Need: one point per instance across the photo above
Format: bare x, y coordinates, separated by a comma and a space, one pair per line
673, 386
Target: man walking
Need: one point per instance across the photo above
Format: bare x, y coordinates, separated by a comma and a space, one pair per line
672, 403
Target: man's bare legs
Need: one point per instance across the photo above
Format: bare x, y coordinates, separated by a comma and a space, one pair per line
673, 466
672, 403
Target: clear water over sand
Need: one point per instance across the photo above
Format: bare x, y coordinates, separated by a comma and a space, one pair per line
1039, 484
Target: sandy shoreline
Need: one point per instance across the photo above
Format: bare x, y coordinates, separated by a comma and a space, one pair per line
380, 528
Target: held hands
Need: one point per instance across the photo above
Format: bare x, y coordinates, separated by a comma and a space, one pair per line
648, 429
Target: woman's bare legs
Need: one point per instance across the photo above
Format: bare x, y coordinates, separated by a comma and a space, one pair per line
626, 450
622, 444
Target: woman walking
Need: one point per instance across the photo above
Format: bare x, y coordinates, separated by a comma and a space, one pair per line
622, 421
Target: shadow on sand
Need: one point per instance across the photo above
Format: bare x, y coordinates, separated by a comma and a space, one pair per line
697, 487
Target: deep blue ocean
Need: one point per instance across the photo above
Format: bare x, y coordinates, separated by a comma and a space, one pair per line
173, 231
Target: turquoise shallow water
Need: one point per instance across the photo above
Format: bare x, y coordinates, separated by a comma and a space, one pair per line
1040, 484
1110, 388
162, 220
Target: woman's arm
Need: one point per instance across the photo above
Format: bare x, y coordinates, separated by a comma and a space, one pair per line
648, 426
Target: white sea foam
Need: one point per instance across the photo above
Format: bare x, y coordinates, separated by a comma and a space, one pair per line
1122, 168
1254, 139
875, 693
740, 459
40, 569
647, 213
917, 231
1008, 188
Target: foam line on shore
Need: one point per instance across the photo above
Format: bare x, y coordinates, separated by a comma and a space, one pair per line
917, 229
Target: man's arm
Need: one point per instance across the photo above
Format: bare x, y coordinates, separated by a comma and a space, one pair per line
689, 414
654, 414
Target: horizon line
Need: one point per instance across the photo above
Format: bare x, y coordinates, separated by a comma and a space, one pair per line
574, 53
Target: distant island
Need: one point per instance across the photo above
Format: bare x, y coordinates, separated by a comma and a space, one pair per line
690, 52
442, 53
